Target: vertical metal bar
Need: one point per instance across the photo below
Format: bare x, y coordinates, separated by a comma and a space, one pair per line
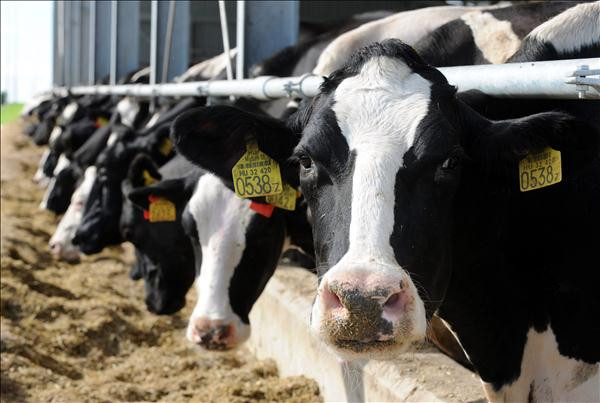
60, 46
153, 40
103, 40
75, 43
168, 42
240, 39
225, 34
92, 44
113, 42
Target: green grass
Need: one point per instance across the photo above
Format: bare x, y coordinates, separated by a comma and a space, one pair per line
10, 112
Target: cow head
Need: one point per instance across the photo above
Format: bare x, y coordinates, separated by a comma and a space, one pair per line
61, 243
164, 252
100, 225
239, 247
382, 151
61, 187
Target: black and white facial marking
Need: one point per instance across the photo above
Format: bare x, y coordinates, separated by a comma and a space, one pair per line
239, 251
376, 182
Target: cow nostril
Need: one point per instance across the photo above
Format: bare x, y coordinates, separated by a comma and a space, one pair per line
392, 300
330, 299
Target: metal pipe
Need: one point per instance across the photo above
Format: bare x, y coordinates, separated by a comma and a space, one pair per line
517, 80
168, 42
225, 34
153, 40
113, 42
240, 39
92, 44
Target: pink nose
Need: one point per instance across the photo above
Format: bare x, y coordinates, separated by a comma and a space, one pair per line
362, 305
213, 334
55, 248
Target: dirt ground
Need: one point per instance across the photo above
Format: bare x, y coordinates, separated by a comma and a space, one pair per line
82, 333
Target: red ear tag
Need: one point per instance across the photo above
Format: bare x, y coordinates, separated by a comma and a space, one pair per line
265, 210
146, 215
152, 198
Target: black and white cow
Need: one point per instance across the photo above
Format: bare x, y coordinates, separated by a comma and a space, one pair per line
486, 36
100, 224
416, 209
165, 258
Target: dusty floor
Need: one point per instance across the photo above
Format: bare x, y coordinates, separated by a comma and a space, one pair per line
82, 333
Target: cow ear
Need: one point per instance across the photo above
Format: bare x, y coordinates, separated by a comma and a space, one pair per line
143, 171
173, 190
504, 143
215, 139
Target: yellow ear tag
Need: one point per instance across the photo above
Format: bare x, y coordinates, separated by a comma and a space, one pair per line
100, 122
161, 209
540, 170
148, 179
166, 147
285, 200
256, 174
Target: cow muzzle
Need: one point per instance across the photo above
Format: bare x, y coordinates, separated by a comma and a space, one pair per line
368, 313
217, 334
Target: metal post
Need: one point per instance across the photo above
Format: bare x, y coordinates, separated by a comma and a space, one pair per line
92, 43
269, 26
103, 40
59, 61
168, 42
68, 48
153, 40
240, 39
75, 30
180, 37
225, 34
113, 41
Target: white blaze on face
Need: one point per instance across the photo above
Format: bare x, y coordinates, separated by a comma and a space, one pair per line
221, 219
62, 163
61, 241
494, 38
572, 29
549, 376
40, 177
112, 139
128, 110
378, 112
54, 135
69, 111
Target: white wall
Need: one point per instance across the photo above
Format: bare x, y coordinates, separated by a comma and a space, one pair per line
26, 48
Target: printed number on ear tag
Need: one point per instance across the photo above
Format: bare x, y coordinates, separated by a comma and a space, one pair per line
256, 174
166, 147
285, 200
540, 170
148, 179
161, 210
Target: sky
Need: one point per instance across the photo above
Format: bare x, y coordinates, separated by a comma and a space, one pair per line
26, 48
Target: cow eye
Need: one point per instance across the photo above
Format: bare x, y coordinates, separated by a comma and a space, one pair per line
305, 161
450, 163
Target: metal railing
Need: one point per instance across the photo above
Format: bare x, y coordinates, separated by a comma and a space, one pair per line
562, 79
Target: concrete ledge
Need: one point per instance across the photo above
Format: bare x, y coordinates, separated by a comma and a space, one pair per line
280, 331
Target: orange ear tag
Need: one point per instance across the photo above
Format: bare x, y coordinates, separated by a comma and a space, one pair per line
161, 210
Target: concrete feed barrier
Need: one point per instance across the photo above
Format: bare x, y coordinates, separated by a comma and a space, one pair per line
280, 331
